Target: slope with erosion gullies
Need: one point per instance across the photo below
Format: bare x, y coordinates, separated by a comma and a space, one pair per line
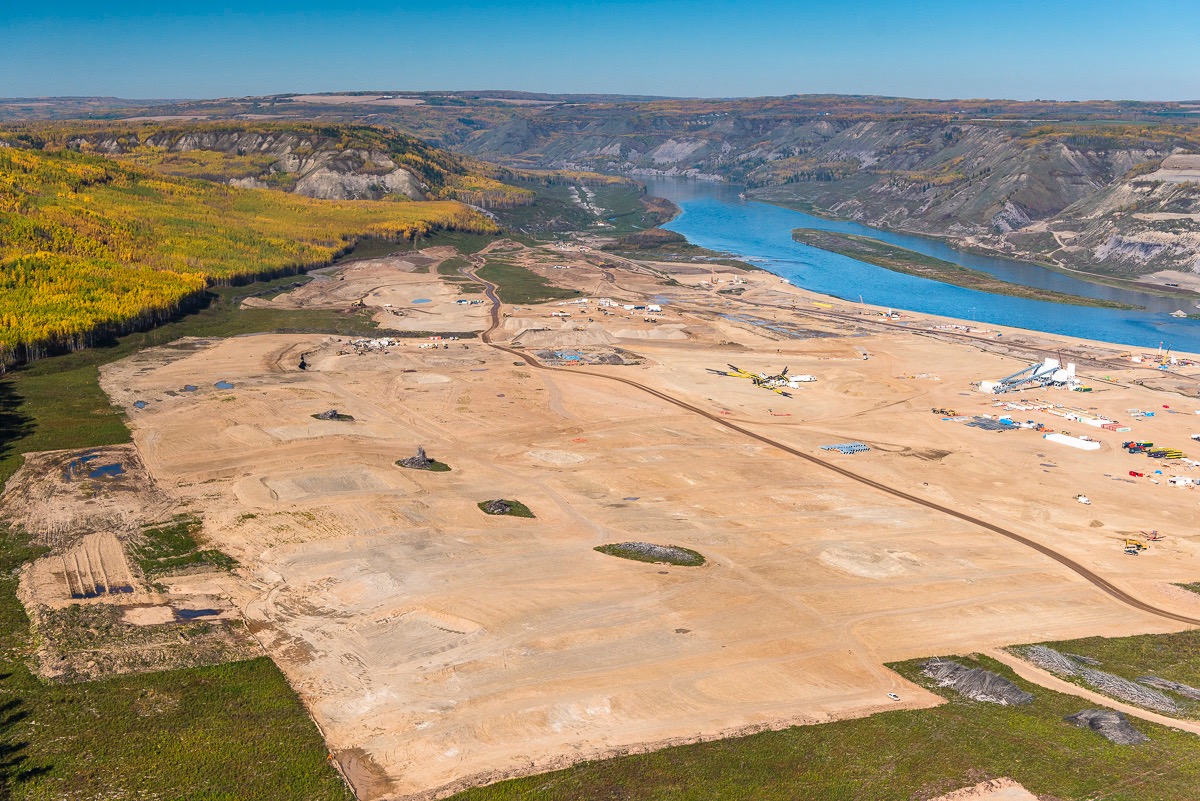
91, 247
1087, 194
325, 161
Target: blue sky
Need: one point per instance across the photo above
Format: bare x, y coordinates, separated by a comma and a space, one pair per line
1060, 49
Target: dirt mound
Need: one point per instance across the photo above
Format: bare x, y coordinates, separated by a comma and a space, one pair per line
976, 683
1113, 726
649, 552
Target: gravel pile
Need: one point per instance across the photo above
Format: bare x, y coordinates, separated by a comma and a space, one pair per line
976, 683
1113, 726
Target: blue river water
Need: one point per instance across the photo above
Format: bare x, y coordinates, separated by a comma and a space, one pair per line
714, 216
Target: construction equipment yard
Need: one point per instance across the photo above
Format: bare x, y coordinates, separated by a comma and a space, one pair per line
439, 647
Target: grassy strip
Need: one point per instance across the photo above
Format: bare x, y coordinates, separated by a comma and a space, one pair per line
516, 509
228, 731
892, 756
57, 402
910, 262
519, 285
683, 557
172, 547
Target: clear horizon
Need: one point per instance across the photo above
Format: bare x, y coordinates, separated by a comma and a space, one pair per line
931, 49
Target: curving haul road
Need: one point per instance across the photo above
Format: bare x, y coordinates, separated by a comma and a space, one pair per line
1090, 576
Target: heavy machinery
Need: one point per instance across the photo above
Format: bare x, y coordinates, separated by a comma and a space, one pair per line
1134, 547
778, 383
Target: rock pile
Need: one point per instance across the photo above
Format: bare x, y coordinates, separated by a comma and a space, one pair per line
497, 507
418, 462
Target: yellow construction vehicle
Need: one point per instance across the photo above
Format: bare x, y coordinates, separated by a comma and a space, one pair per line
1137, 545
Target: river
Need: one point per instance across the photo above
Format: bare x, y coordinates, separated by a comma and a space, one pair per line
715, 217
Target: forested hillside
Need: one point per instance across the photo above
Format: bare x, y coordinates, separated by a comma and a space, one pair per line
90, 246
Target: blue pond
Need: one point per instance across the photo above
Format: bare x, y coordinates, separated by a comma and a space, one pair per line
76, 466
715, 217
223, 385
83, 464
192, 614
139, 404
190, 388
420, 300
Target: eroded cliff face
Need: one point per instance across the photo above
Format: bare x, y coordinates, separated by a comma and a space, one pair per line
1113, 204
308, 165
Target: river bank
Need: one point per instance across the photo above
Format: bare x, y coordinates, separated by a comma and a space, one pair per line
910, 262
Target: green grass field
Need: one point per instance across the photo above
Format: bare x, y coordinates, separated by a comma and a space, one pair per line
452, 265
892, 756
520, 285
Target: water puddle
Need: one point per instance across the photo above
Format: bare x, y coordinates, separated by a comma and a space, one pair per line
192, 614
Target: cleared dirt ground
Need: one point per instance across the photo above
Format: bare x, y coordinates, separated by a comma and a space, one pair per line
439, 647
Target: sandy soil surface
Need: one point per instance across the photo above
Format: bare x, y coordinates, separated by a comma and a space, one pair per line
405, 293
1177, 169
439, 647
994, 790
